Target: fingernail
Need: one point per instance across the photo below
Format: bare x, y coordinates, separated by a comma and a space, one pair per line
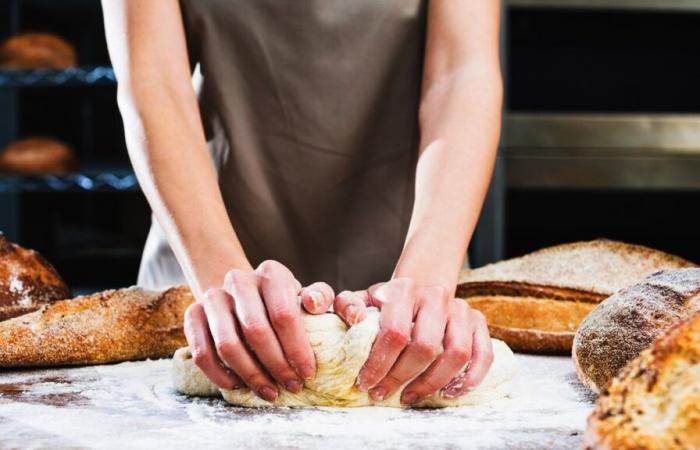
293, 386
268, 393
409, 398
378, 393
308, 372
351, 314
316, 299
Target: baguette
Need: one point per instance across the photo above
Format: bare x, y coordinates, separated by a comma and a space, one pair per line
654, 402
111, 326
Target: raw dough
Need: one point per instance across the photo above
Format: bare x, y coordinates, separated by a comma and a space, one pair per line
340, 354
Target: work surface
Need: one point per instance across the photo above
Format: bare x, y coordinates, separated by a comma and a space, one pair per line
132, 405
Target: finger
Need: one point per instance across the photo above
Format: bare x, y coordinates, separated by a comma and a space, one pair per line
350, 306
280, 296
426, 344
397, 302
231, 349
481, 360
252, 317
201, 346
458, 345
317, 298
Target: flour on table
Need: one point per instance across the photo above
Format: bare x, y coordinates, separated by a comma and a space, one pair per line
340, 354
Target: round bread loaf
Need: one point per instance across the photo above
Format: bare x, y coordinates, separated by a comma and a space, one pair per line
27, 281
38, 156
624, 324
654, 403
37, 51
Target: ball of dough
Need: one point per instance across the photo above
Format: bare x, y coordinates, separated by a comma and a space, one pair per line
340, 354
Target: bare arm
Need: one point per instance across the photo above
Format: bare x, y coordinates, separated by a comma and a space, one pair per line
167, 148
426, 334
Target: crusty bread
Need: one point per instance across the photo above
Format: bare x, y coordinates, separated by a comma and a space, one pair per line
623, 325
531, 324
38, 156
27, 281
111, 326
37, 51
654, 403
535, 302
580, 271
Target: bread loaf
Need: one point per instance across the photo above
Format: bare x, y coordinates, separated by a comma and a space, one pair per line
38, 156
27, 281
654, 402
36, 51
111, 326
535, 302
618, 329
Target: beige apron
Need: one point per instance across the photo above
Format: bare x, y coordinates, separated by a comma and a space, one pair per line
310, 108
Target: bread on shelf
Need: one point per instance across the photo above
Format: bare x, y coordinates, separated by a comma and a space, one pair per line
38, 156
654, 402
27, 281
37, 51
536, 302
623, 325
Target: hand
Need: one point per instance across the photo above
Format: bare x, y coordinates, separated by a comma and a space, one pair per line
251, 332
426, 335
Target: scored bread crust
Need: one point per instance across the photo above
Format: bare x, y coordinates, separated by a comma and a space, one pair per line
579, 271
624, 324
654, 402
110, 326
531, 324
27, 281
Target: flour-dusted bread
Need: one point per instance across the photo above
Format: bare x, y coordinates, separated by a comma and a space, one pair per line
654, 402
38, 156
27, 281
536, 302
111, 326
37, 51
627, 322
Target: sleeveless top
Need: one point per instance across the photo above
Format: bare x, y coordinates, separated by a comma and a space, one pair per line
310, 109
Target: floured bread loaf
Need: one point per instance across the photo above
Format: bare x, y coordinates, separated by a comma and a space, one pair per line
654, 403
111, 326
340, 354
627, 322
27, 281
536, 302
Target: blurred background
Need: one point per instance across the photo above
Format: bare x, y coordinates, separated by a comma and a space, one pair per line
601, 134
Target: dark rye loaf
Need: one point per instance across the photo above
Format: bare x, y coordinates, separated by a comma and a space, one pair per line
618, 329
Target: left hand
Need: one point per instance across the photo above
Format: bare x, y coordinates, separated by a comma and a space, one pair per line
426, 335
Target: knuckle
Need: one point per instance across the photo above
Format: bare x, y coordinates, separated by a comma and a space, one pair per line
478, 316
193, 310
237, 277
228, 348
426, 350
426, 386
200, 357
255, 332
459, 355
282, 317
270, 267
395, 337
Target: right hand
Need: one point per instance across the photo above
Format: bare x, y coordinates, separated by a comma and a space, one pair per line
250, 333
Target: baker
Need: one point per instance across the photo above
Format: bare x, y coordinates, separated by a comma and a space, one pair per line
320, 144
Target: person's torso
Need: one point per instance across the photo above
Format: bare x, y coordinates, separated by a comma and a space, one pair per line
311, 109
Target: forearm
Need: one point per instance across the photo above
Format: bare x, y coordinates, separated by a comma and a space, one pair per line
460, 125
168, 152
